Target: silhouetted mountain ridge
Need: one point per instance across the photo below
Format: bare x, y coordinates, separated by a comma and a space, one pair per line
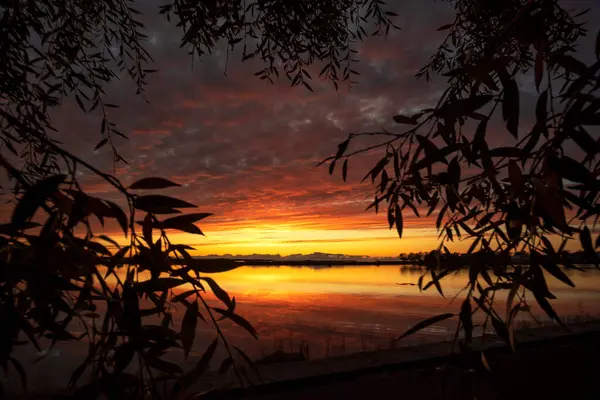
316, 256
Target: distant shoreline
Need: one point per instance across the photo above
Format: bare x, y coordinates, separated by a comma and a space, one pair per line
417, 264
454, 260
318, 263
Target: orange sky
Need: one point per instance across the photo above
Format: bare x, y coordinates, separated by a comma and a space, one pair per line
279, 236
246, 150
279, 239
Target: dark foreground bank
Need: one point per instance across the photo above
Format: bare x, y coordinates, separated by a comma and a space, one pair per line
549, 364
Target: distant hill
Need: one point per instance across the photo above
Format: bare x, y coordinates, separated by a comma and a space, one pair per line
317, 256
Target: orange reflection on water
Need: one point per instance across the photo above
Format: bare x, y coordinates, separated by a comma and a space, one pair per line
372, 280
333, 311
303, 280
358, 303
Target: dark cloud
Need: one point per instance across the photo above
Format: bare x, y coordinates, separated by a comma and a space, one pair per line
247, 150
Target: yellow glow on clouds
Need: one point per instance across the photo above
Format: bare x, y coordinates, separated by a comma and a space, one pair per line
285, 241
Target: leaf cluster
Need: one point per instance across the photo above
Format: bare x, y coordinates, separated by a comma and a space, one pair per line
58, 277
287, 37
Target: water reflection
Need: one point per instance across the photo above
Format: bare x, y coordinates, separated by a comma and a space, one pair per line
349, 306
329, 311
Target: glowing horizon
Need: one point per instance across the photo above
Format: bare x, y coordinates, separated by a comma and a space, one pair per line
283, 240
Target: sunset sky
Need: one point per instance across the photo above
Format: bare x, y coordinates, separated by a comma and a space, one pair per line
247, 151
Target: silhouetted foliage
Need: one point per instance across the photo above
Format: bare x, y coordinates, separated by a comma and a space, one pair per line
505, 192
55, 282
57, 274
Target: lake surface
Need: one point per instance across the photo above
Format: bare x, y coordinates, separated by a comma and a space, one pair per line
340, 310
330, 311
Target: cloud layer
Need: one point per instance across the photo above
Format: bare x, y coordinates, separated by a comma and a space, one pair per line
247, 150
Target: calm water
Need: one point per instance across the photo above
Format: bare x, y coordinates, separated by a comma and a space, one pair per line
334, 311
346, 309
